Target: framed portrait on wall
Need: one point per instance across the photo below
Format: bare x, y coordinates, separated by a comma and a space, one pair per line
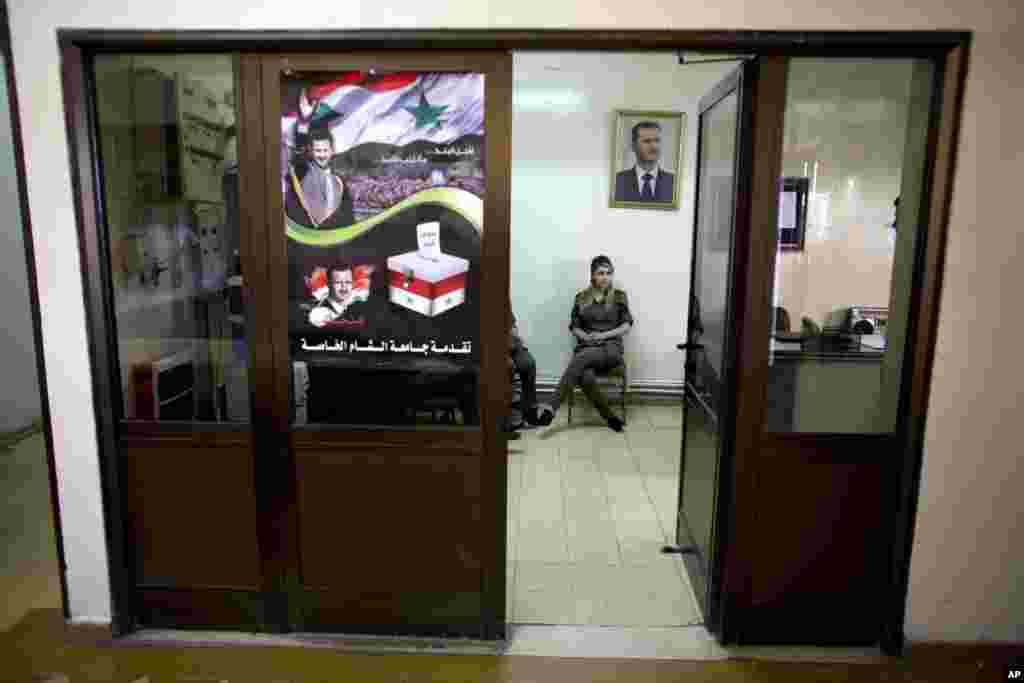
647, 158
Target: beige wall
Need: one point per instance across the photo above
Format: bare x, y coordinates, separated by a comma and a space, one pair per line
965, 571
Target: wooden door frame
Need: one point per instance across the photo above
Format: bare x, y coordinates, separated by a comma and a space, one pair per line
949, 49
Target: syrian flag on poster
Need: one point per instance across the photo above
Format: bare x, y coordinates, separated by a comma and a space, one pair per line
396, 108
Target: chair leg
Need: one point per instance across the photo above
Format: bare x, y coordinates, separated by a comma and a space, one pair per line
569, 401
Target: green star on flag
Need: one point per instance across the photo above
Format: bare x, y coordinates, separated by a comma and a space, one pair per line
425, 112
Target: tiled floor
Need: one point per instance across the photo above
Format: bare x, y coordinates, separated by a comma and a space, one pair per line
589, 511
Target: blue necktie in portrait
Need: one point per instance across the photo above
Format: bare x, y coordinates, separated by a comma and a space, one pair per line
648, 191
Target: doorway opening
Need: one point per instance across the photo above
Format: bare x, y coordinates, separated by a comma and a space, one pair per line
591, 510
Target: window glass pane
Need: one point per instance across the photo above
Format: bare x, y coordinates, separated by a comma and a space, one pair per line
709, 305
855, 138
170, 195
382, 175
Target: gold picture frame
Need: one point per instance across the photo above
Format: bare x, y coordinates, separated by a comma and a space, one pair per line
626, 189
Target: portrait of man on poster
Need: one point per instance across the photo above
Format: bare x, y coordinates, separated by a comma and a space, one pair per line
316, 196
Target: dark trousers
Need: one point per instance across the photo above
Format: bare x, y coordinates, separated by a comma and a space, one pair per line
581, 371
526, 367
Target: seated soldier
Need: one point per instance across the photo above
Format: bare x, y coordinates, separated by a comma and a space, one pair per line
520, 360
600, 318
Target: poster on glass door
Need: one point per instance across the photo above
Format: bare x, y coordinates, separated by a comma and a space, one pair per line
382, 175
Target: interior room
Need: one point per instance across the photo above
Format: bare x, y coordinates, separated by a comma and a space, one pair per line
592, 510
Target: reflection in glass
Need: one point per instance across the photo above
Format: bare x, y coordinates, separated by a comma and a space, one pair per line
382, 181
170, 198
699, 483
714, 225
855, 134
707, 328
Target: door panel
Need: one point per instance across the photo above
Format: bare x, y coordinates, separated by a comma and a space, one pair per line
390, 542
821, 432
335, 486
835, 532
192, 531
193, 608
376, 198
710, 333
175, 246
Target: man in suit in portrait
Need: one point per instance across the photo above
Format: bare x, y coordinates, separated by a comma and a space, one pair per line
646, 181
316, 196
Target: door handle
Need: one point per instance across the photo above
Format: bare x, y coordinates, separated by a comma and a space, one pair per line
690, 346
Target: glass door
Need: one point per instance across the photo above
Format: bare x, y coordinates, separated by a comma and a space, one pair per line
389, 303
174, 249
723, 131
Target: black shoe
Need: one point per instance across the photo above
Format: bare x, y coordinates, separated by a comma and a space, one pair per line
615, 424
545, 416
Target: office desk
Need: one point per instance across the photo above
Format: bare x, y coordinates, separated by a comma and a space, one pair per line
825, 389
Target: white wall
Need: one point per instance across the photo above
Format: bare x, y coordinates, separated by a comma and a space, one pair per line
19, 398
561, 159
965, 570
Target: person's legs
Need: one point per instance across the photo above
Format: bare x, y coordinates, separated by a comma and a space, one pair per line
581, 360
611, 358
588, 382
527, 369
587, 358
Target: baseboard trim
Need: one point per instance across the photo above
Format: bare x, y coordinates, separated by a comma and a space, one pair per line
647, 390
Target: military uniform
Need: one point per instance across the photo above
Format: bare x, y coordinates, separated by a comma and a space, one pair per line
523, 363
590, 315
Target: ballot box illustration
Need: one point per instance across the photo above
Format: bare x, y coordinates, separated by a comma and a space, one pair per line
427, 280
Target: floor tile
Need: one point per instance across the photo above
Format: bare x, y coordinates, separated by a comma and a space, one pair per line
653, 595
638, 417
535, 545
658, 448
662, 416
543, 593
618, 643
592, 516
